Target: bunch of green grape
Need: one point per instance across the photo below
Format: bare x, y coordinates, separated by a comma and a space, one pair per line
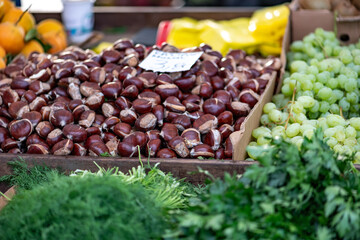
321, 89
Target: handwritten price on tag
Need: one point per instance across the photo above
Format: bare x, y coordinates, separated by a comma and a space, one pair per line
159, 61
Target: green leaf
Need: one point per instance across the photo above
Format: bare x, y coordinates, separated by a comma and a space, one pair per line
215, 222
31, 34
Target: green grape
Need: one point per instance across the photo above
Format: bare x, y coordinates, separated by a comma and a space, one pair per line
314, 71
334, 109
314, 62
299, 142
329, 132
322, 123
350, 141
317, 87
340, 136
306, 126
298, 56
293, 130
306, 101
275, 116
350, 85
352, 97
298, 76
332, 99
297, 107
252, 143
306, 85
268, 107
286, 90
348, 72
324, 93
264, 139
338, 94
336, 50
331, 142
300, 117
338, 148
278, 131
345, 56
315, 108
342, 79
324, 115
313, 123
319, 56
357, 157
296, 46
332, 83
355, 108
357, 59
308, 133
335, 120
353, 114
345, 105
350, 132
264, 119
331, 65
295, 139
323, 77
324, 106
277, 99
314, 115
257, 132
285, 116
355, 122
347, 150
298, 66
307, 93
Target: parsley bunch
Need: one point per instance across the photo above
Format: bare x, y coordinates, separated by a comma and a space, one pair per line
311, 193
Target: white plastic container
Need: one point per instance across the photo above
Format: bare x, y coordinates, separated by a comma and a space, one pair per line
78, 18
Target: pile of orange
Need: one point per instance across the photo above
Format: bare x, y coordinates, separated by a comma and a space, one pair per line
15, 24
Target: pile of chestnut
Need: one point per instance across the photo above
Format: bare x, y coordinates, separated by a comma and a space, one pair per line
81, 103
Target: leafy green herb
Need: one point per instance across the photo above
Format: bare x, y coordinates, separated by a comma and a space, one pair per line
25, 177
83, 208
105, 154
31, 34
308, 194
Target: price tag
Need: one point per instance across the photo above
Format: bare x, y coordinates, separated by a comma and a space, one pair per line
159, 61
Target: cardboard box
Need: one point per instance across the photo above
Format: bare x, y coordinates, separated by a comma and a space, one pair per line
304, 21
10, 193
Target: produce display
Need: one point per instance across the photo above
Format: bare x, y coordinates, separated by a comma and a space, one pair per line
321, 91
19, 33
280, 198
81, 103
263, 32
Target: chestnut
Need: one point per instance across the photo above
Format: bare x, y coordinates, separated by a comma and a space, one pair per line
62, 148
228, 148
54, 137
75, 133
169, 131
225, 130
122, 129
249, 96
128, 116
239, 109
238, 123
79, 110
135, 81
88, 89
202, 150
191, 107
178, 145
136, 138
8, 144
37, 149
9, 96
112, 145
213, 139
153, 134
111, 90
167, 90
163, 79
146, 122
182, 122
166, 153
97, 149
87, 118
93, 139
205, 123
252, 84
4, 134
79, 150
130, 92
82, 72
158, 111
61, 117
142, 106
99, 119
223, 96
33, 116
74, 91
109, 109
220, 153
217, 83
95, 101
108, 136
209, 68
37, 104
35, 139
20, 129
127, 149
110, 122
151, 96
153, 146
17, 109
186, 83
93, 131
225, 117
173, 104
97, 75
205, 90
4, 122
213, 106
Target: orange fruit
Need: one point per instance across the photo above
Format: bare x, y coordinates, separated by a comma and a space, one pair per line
5, 6
11, 37
2, 63
49, 25
27, 21
32, 46
2, 53
57, 40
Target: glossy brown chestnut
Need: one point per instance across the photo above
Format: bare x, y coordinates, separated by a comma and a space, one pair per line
213, 106
223, 96
153, 146
62, 148
173, 104
167, 90
205, 123
93, 139
95, 101
249, 96
166, 153
225, 130
75, 132
20, 129
202, 150
178, 145
142, 106
228, 148
61, 117
17, 109
213, 139
158, 111
127, 149
220, 153
151, 96
146, 122
37, 149
169, 131
182, 122
111, 90
33, 116
239, 109
88, 89
54, 137
128, 116
79, 150
122, 129
8, 144
153, 134
109, 123
130, 92
238, 123
225, 117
